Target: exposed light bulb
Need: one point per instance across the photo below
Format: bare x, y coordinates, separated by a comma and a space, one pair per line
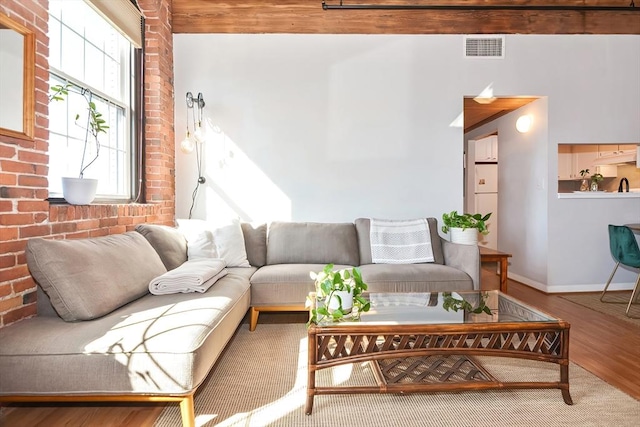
187, 145
199, 134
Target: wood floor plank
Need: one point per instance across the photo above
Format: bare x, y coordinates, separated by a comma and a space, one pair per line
603, 345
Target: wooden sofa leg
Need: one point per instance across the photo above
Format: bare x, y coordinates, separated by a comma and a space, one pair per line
253, 319
188, 412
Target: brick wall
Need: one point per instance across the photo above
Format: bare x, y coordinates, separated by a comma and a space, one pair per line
24, 210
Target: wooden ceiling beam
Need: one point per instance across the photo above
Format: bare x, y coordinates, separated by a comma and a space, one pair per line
308, 17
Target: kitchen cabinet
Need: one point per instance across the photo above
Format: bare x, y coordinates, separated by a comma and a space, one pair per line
487, 149
606, 150
576, 157
565, 162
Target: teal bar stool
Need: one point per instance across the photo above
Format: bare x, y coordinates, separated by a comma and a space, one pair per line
625, 251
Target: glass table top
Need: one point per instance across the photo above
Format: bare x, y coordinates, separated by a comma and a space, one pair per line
429, 308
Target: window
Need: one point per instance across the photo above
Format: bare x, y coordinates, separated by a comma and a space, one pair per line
95, 60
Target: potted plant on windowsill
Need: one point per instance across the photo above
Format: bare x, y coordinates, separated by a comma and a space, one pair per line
81, 190
465, 227
338, 295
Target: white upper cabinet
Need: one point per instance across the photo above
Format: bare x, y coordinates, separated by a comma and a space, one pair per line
487, 149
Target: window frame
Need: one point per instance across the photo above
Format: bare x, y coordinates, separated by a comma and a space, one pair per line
132, 79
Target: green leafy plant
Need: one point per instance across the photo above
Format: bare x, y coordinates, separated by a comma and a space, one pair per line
95, 122
584, 172
596, 177
464, 221
328, 283
455, 304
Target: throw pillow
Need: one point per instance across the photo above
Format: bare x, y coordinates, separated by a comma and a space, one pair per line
215, 240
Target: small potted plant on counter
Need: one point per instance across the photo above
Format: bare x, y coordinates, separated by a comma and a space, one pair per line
595, 179
584, 184
338, 295
465, 227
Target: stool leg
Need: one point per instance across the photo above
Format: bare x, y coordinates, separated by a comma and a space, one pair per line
609, 281
633, 295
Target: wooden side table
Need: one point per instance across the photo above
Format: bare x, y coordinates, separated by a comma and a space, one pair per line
490, 255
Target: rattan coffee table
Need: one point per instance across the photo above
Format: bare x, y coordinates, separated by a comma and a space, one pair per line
415, 345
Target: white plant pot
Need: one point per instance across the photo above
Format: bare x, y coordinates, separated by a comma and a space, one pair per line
468, 236
347, 301
79, 191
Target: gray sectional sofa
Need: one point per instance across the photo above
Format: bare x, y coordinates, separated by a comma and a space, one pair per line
101, 336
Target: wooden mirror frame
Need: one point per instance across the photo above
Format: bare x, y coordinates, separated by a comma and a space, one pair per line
28, 80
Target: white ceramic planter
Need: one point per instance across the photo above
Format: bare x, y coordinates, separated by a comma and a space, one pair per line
79, 191
347, 301
468, 236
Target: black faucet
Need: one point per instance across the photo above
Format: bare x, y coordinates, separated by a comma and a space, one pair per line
625, 180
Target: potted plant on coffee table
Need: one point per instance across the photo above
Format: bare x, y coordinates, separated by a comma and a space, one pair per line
81, 190
465, 227
338, 295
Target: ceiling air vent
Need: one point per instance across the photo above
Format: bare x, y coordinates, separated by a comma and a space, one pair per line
484, 47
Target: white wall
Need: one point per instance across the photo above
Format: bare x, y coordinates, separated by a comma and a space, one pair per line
332, 127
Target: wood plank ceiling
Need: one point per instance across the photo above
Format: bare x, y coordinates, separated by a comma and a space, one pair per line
308, 17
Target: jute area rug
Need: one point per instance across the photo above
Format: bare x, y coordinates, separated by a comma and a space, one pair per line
616, 308
261, 381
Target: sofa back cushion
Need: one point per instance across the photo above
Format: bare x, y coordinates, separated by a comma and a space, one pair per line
255, 243
88, 278
168, 242
363, 226
312, 243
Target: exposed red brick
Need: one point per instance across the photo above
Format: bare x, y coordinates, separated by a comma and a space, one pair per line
7, 261
64, 227
9, 303
32, 181
16, 219
7, 151
13, 273
5, 289
32, 205
18, 314
23, 284
35, 231
8, 179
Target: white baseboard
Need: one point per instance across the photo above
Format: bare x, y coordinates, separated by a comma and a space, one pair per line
582, 287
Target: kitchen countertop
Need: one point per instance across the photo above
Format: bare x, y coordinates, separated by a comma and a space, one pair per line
599, 195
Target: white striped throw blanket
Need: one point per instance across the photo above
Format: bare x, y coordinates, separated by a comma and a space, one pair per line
195, 275
400, 242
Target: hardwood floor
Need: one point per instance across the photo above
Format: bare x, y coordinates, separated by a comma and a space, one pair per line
603, 345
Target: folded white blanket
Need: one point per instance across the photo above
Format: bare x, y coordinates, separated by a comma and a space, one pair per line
400, 241
196, 275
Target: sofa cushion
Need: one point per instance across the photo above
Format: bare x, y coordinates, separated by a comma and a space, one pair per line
167, 241
363, 226
255, 242
156, 344
428, 277
312, 243
284, 284
220, 239
88, 278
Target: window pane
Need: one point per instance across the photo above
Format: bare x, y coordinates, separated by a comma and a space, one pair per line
72, 47
95, 68
90, 58
54, 43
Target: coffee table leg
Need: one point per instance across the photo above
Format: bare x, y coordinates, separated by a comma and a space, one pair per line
311, 386
311, 369
564, 378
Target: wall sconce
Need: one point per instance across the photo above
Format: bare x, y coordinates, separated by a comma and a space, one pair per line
196, 140
523, 124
